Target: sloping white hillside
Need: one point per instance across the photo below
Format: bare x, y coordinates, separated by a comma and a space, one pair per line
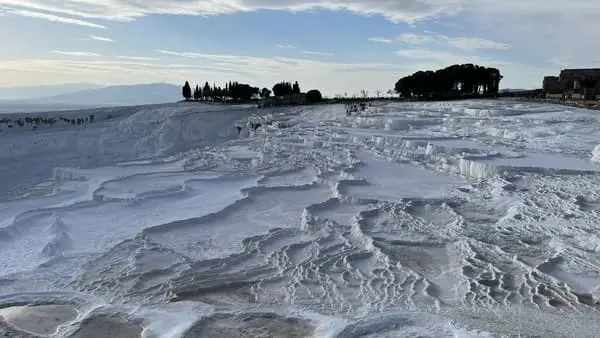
460, 219
116, 135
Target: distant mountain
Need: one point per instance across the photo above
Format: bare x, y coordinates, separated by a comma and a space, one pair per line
122, 95
34, 92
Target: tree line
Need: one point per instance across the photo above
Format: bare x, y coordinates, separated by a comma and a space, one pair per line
232, 89
453, 81
456, 81
239, 91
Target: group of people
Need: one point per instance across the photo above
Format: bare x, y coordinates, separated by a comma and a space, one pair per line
355, 107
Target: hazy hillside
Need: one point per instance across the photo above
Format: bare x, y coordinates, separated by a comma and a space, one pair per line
10, 107
120, 95
34, 92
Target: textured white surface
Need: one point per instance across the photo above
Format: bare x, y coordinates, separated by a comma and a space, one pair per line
433, 219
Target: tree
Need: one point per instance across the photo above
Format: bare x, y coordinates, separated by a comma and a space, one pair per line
283, 88
364, 93
206, 92
452, 81
264, 93
378, 93
216, 92
313, 96
197, 93
187, 91
243, 91
296, 88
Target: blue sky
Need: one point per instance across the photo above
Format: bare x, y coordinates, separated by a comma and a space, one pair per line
337, 46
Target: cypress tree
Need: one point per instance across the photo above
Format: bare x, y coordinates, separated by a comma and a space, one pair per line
186, 90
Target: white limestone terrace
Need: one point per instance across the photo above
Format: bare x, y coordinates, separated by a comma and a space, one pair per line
453, 219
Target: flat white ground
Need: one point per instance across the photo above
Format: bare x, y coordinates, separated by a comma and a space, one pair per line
461, 219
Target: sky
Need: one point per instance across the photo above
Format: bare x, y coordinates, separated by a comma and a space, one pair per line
335, 46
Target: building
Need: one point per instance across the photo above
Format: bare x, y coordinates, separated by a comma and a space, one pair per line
552, 85
287, 100
580, 83
573, 84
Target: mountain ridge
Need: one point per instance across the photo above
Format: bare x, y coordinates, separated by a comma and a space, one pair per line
12, 93
115, 95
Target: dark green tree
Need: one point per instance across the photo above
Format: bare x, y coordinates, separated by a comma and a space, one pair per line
264, 93
213, 92
187, 91
452, 81
296, 88
243, 91
197, 93
313, 96
283, 88
206, 92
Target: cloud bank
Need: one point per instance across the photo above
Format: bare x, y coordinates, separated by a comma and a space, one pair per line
51, 17
99, 38
85, 54
176, 66
464, 43
543, 36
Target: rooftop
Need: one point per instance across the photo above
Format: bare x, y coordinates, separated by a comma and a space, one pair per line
581, 70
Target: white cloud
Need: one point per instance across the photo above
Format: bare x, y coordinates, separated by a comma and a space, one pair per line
574, 62
329, 77
408, 11
461, 42
415, 39
381, 40
86, 54
304, 51
126, 10
425, 59
51, 17
474, 43
182, 54
535, 31
316, 53
138, 58
99, 38
424, 54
